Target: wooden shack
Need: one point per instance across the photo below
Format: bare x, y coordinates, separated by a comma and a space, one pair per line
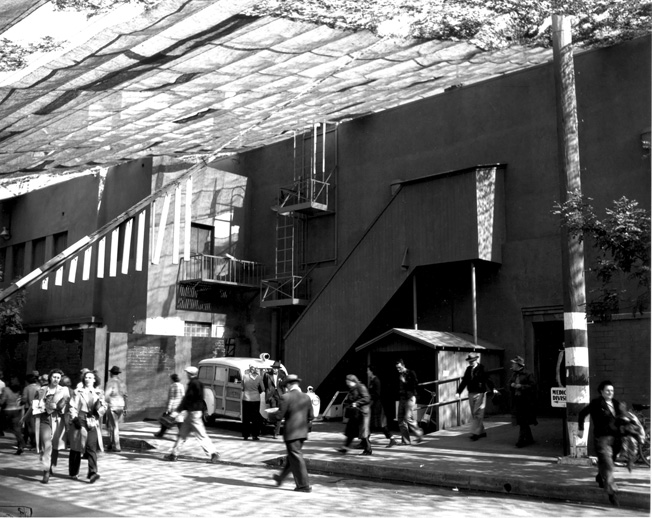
439, 361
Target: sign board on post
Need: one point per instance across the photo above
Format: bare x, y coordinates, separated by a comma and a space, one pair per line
558, 397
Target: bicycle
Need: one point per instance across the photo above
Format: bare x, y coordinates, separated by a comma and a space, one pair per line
644, 446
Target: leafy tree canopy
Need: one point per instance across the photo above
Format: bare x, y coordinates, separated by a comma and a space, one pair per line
489, 24
622, 238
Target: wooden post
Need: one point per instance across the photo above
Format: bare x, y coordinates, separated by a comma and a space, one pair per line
474, 299
574, 289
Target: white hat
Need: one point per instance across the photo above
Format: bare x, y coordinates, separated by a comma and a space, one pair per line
192, 370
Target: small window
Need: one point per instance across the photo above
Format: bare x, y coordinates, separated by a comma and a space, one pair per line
234, 376
202, 238
18, 261
220, 375
60, 242
38, 252
197, 329
206, 374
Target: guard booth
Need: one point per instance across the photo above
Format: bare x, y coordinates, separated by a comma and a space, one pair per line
439, 361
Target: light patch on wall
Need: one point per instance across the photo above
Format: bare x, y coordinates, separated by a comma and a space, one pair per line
167, 326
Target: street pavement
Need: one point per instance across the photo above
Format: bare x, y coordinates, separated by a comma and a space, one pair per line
446, 458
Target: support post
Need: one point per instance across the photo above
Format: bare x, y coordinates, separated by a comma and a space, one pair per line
474, 299
574, 290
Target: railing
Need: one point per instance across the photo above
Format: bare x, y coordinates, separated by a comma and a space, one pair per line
221, 269
457, 401
304, 190
285, 288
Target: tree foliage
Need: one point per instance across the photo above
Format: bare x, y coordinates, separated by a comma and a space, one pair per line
14, 56
489, 24
622, 238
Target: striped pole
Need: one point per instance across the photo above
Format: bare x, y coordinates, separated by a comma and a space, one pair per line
574, 289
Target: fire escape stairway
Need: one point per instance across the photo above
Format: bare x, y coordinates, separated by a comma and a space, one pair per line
454, 216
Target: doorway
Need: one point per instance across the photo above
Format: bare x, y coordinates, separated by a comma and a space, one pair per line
548, 342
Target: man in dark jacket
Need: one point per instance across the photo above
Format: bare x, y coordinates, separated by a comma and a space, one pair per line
273, 382
407, 403
193, 404
605, 412
296, 408
477, 382
357, 405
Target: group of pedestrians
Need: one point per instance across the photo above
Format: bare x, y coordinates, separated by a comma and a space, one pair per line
51, 416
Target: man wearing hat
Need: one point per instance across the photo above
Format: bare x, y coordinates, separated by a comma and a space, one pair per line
522, 386
273, 382
477, 382
296, 408
193, 404
116, 399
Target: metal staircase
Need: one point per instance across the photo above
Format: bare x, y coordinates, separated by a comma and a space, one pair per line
314, 162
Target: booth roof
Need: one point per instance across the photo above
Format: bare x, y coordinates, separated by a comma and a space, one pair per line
436, 340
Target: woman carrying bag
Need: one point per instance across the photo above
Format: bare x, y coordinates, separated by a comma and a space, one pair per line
87, 407
48, 408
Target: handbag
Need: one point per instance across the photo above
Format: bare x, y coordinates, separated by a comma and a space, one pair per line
167, 420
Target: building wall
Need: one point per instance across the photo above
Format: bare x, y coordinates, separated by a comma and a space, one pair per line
512, 120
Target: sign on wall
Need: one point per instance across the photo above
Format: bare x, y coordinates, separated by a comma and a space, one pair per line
558, 397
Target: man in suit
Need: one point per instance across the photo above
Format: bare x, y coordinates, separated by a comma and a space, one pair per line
477, 382
605, 413
296, 408
273, 382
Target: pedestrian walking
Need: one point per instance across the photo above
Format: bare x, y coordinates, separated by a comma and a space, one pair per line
273, 382
357, 409
407, 403
252, 387
605, 413
296, 408
67, 420
116, 400
13, 409
193, 404
86, 410
378, 420
477, 382
29, 392
48, 407
523, 388
171, 416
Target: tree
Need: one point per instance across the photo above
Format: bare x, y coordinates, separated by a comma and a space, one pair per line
622, 239
11, 320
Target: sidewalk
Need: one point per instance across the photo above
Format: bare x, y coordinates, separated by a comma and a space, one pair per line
446, 459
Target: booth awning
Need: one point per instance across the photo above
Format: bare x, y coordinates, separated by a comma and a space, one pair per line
436, 340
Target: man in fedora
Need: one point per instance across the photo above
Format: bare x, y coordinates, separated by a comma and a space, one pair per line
523, 388
273, 382
477, 382
296, 408
116, 399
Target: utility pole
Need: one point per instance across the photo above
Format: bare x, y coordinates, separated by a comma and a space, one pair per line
574, 289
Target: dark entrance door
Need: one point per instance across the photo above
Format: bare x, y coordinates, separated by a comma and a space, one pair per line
548, 342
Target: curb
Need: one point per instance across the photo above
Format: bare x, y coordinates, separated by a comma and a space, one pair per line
472, 482
453, 480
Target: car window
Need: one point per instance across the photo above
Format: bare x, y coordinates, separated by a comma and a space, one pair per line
234, 376
220, 374
205, 373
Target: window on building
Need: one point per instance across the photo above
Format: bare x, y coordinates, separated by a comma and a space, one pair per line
197, 329
202, 238
38, 252
18, 261
60, 242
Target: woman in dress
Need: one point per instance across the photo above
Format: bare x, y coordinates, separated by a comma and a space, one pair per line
87, 407
48, 408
